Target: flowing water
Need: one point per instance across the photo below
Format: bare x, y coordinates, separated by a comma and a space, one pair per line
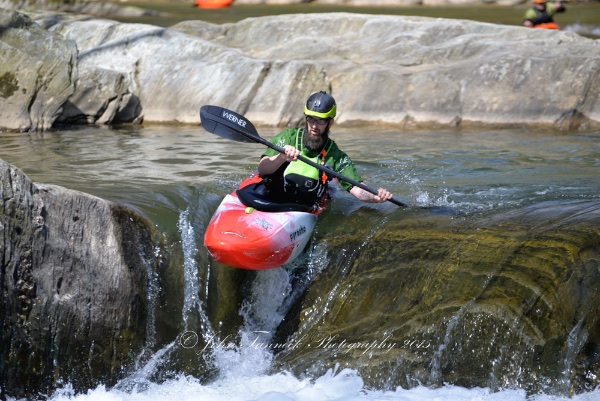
176, 176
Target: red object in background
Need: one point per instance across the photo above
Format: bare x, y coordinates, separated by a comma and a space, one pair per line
548, 25
213, 3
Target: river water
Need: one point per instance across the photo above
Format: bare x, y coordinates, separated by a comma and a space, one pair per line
176, 175
467, 170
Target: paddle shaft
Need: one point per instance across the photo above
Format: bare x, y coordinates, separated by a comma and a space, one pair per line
318, 166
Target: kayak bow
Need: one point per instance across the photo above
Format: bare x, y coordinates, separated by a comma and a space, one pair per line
247, 238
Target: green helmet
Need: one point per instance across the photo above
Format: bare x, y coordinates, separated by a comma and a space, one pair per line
321, 105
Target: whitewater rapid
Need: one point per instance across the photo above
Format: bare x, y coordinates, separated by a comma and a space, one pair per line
244, 363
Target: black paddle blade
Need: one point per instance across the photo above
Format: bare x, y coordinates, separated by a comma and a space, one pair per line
228, 124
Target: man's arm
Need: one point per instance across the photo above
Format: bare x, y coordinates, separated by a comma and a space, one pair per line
383, 195
529, 18
270, 164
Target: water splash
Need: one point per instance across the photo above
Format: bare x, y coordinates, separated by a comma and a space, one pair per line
435, 375
250, 354
152, 290
345, 385
261, 310
575, 341
191, 301
140, 380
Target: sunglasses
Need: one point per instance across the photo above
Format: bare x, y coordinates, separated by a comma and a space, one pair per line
318, 121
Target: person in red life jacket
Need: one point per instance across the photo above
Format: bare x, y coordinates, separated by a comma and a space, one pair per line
542, 13
288, 179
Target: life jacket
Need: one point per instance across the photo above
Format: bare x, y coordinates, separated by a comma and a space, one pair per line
303, 182
542, 17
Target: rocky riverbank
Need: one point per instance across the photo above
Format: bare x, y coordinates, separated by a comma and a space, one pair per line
392, 70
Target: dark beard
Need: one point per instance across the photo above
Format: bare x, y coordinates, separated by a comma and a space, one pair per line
315, 144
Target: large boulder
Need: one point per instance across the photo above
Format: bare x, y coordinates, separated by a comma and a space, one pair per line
392, 70
381, 69
416, 70
37, 73
74, 274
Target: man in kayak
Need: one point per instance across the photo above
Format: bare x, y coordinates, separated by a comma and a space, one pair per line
542, 13
290, 180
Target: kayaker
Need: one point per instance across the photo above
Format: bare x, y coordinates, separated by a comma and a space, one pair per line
542, 13
288, 179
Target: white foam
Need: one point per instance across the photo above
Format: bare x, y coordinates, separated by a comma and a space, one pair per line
345, 385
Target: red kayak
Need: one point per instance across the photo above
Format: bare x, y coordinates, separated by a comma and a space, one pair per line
213, 3
242, 236
548, 25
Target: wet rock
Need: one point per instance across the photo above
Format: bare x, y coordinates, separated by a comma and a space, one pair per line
74, 275
471, 302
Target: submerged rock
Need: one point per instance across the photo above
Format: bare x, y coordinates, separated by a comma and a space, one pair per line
511, 299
